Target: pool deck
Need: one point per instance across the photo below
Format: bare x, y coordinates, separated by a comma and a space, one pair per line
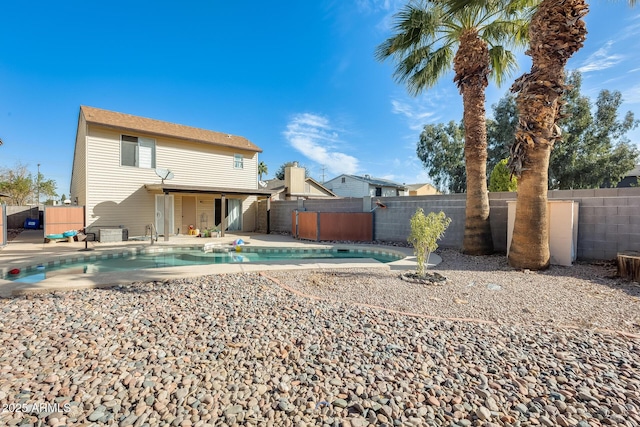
29, 249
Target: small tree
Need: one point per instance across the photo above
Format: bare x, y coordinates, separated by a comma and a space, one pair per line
426, 230
501, 178
262, 169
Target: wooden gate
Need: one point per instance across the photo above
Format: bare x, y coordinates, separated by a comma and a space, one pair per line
319, 226
58, 219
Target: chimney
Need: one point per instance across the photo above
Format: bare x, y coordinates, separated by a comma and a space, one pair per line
294, 179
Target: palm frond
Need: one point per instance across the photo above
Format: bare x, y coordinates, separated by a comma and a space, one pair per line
426, 32
507, 7
508, 33
414, 28
432, 69
503, 64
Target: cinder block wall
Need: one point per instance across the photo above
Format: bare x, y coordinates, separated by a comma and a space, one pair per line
281, 215
261, 216
392, 223
608, 223
609, 220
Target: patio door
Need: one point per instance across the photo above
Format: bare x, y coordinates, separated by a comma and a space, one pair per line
160, 213
234, 217
233, 212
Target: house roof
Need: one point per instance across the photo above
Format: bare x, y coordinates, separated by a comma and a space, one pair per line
322, 187
275, 184
278, 185
634, 172
418, 186
157, 127
379, 182
170, 188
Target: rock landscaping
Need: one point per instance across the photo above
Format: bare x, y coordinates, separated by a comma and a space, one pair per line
244, 349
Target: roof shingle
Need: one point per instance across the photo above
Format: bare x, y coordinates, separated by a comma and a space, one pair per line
157, 127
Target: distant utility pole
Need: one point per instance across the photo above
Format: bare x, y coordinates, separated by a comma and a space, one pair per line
323, 169
38, 188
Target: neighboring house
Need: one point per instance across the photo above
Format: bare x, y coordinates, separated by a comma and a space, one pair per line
215, 175
363, 186
296, 186
631, 179
422, 190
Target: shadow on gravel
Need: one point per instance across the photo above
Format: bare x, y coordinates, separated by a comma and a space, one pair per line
598, 272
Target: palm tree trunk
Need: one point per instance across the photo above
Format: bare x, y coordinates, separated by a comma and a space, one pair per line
471, 65
557, 31
530, 241
477, 229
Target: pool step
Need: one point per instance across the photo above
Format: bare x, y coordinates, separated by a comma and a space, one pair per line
214, 247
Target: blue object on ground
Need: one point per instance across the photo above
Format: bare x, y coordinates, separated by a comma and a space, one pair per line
31, 224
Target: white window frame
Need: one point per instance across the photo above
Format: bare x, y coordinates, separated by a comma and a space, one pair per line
144, 152
238, 161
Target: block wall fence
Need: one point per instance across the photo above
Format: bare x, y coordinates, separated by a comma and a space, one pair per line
608, 222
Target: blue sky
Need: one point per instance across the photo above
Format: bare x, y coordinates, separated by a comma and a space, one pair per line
298, 78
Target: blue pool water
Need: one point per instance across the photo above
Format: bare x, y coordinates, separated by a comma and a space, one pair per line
176, 257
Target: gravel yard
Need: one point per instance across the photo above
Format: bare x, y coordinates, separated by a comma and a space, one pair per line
240, 349
586, 295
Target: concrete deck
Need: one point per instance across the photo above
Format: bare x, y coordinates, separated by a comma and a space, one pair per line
29, 249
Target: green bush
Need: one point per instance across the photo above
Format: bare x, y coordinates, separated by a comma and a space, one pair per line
501, 179
426, 230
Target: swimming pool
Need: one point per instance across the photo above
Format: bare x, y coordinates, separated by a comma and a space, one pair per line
171, 256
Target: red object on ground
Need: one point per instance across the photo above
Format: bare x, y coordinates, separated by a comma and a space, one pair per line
14, 271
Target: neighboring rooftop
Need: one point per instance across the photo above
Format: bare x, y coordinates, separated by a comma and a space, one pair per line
379, 182
132, 123
422, 189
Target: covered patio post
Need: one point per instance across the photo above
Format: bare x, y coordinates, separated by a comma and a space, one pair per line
223, 216
166, 224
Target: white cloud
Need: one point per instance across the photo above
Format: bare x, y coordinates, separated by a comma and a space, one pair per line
631, 30
601, 59
387, 8
632, 95
416, 114
377, 5
315, 137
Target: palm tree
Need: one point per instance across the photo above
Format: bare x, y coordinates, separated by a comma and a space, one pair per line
424, 47
262, 169
557, 31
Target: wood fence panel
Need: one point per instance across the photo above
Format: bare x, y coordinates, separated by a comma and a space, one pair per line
308, 225
58, 219
355, 226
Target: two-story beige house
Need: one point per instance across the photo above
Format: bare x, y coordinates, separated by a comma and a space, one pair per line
118, 159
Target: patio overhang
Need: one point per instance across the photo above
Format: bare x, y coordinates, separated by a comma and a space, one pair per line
171, 188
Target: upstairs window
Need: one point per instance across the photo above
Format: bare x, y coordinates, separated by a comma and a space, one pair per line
344, 180
137, 152
238, 161
379, 191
